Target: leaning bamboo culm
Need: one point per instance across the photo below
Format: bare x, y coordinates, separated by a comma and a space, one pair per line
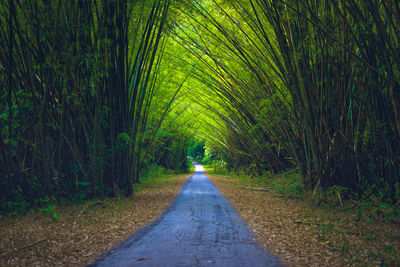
75, 75
315, 81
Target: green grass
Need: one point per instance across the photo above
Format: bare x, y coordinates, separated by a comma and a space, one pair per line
191, 168
159, 180
287, 184
216, 170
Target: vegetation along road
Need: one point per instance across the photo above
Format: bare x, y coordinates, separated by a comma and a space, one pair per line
293, 101
201, 228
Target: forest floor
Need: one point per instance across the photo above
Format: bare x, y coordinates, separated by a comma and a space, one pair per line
302, 234
83, 232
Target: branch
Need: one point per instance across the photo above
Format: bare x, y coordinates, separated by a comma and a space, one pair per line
266, 189
25, 247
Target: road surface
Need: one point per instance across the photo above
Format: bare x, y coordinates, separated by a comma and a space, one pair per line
201, 228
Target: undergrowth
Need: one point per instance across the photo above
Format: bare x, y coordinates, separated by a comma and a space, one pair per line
349, 223
153, 177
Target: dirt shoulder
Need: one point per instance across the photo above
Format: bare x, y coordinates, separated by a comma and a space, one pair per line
302, 235
82, 232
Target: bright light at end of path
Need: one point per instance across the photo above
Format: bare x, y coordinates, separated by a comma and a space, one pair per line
198, 168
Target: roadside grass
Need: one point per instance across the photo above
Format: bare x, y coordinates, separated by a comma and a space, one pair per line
153, 182
365, 232
216, 170
83, 231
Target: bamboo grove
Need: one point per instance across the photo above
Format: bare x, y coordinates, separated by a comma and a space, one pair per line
312, 85
96, 93
77, 81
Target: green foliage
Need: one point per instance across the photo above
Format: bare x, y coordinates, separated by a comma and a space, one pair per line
210, 157
152, 171
196, 150
289, 185
283, 85
266, 86
48, 207
51, 211
17, 204
80, 109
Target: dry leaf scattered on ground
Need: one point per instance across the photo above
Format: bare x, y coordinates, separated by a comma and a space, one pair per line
292, 231
82, 232
301, 235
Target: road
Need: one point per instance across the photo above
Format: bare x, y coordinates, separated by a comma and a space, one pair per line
201, 228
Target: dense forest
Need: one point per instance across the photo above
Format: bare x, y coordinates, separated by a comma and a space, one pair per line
96, 94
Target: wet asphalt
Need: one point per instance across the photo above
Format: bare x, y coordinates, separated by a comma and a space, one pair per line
200, 228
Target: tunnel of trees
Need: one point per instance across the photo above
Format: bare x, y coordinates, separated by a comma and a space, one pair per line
95, 92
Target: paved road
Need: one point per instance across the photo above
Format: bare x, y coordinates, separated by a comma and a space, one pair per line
201, 228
